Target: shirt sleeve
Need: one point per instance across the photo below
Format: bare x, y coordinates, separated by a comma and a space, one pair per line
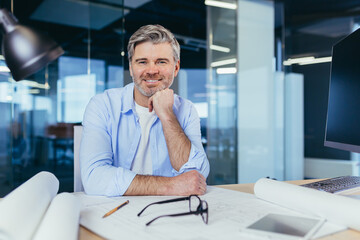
197, 157
99, 175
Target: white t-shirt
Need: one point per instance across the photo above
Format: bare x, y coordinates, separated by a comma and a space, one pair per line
142, 163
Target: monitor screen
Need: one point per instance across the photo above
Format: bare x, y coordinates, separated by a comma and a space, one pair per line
343, 113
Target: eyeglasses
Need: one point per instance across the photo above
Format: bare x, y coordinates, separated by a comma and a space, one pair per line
196, 207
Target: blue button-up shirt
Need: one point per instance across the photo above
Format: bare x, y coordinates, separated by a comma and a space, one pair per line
111, 136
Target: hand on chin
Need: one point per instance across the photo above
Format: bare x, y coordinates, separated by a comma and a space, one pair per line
162, 102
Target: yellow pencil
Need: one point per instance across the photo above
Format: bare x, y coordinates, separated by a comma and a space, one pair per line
115, 209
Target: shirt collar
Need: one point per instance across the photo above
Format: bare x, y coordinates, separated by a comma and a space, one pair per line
128, 99
177, 103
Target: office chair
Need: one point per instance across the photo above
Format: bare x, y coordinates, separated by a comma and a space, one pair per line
78, 187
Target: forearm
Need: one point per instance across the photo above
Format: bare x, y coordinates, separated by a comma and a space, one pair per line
178, 144
149, 185
188, 183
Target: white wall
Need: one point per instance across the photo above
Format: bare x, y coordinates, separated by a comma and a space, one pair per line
294, 126
255, 89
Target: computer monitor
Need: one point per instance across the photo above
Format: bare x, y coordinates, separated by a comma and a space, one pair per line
343, 113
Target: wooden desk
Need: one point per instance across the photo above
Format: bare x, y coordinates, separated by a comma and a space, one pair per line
85, 234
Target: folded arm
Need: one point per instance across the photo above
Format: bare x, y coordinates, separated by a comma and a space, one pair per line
188, 183
183, 140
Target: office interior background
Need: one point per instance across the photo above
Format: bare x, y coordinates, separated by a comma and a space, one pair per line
262, 105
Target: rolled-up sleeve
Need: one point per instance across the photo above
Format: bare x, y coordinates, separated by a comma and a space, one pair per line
98, 173
197, 157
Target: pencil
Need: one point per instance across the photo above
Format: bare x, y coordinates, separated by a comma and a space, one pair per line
115, 209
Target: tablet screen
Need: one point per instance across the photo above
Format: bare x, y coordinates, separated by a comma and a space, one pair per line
284, 224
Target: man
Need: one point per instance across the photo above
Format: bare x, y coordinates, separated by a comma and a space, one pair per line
143, 139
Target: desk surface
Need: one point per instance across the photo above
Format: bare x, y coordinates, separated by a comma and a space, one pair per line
85, 234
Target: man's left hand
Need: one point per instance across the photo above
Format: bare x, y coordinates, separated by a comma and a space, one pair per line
162, 102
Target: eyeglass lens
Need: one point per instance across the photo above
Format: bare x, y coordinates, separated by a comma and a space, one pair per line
194, 203
204, 214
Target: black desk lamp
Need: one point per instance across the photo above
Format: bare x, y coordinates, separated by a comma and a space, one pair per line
25, 50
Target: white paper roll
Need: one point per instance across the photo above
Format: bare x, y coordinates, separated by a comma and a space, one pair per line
61, 220
22, 210
335, 208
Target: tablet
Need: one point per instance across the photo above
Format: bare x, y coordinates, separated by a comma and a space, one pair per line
285, 227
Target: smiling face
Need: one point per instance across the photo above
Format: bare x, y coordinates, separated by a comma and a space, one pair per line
152, 68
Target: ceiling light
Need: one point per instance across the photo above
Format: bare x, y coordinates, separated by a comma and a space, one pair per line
219, 48
317, 60
306, 60
220, 4
291, 61
223, 62
34, 84
231, 70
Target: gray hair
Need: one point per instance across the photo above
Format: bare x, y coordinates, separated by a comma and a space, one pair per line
155, 34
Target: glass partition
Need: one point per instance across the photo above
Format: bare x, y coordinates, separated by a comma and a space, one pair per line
38, 114
221, 94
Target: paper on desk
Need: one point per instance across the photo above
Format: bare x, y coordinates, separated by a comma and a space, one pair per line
61, 220
335, 208
229, 213
22, 209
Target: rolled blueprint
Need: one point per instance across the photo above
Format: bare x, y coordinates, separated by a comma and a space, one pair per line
22, 210
334, 208
61, 220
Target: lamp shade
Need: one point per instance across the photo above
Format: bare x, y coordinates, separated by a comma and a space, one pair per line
25, 50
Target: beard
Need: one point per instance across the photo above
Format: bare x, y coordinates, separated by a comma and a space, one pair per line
148, 92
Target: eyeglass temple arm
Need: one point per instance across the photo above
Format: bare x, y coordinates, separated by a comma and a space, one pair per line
165, 201
173, 215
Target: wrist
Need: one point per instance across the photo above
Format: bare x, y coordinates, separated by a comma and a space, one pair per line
167, 116
165, 188
169, 186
